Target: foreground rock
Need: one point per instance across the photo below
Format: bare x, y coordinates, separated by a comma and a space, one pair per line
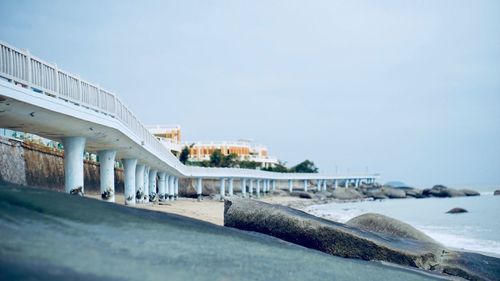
371, 237
457, 211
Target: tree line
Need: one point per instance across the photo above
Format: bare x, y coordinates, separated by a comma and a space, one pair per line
219, 160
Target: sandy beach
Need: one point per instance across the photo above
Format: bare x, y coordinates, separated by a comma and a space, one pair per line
208, 210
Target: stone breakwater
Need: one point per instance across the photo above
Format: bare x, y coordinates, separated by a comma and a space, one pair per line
31, 164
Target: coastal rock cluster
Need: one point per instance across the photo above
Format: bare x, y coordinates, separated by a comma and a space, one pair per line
378, 192
367, 237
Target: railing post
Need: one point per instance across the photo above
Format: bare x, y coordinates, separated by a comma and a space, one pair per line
28, 66
56, 83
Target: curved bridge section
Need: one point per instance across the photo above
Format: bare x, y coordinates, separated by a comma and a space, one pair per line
40, 98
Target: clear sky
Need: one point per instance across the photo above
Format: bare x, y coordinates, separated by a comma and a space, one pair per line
410, 89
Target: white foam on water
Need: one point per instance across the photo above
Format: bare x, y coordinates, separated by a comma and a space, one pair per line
456, 238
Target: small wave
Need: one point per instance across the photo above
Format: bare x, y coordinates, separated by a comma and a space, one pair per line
447, 237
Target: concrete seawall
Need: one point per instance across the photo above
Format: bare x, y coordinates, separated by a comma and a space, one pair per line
36, 165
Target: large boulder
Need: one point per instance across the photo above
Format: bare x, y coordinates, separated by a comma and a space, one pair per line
457, 211
470, 192
358, 240
443, 191
388, 226
301, 194
346, 194
394, 193
375, 193
413, 192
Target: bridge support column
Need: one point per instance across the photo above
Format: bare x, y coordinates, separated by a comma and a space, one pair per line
346, 183
162, 183
230, 191
250, 188
139, 183
176, 188
222, 189
335, 184
171, 188
107, 174
318, 185
305, 185
129, 167
199, 188
152, 185
324, 185
243, 187
356, 182
290, 186
257, 191
146, 184
273, 182
73, 164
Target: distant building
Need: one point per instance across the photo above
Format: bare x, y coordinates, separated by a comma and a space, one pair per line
169, 136
245, 149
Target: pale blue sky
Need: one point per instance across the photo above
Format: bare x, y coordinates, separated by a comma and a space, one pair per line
410, 89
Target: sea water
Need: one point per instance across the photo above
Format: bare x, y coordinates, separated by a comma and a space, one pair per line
478, 230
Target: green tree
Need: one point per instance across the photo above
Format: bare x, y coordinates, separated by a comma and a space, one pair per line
216, 158
304, 167
245, 164
280, 168
230, 160
184, 155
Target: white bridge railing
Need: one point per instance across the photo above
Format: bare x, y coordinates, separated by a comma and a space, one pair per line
23, 69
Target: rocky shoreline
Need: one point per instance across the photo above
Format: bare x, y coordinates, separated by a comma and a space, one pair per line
367, 237
371, 192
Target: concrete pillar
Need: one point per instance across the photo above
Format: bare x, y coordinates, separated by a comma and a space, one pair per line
139, 183
305, 185
176, 188
290, 185
199, 188
222, 188
335, 184
318, 185
129, 167
152, 184
250, 188
346, 183
356, 182
273, 182
167, 187
162, 185
171, 188
146, 184
73, 164
107, 174
230, 186
324, 185
257, 191
243, 187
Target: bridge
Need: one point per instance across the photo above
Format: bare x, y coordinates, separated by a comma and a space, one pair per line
40, 98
